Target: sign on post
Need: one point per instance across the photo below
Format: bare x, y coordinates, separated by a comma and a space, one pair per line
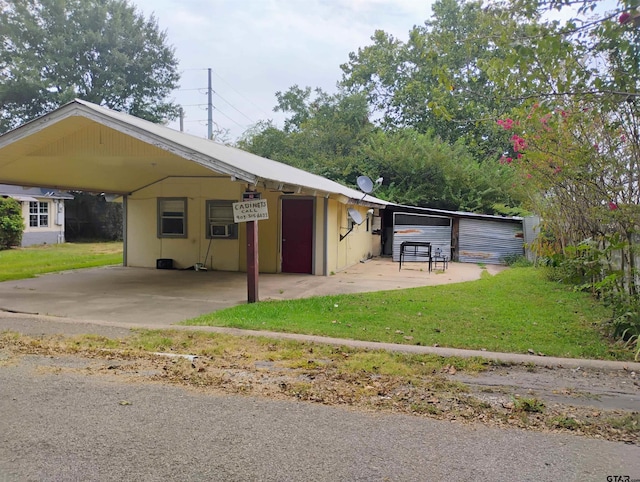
254, 210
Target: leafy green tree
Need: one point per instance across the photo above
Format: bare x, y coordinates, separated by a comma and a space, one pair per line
423, 170
330, 135
102, 51
576, 144
432, 82
11, 223
322, 132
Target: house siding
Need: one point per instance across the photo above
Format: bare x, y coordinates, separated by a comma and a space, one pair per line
44, 237
356, 246
53, 233
144, 247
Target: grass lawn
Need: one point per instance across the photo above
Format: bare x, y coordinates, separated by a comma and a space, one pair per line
514, 311
29, 262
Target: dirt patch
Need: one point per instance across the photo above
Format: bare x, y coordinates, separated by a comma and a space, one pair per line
598, 403
586, 387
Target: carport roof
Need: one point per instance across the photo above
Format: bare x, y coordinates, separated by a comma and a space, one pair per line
21, 157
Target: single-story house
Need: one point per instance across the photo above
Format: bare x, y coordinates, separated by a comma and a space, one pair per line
178, 193
42, 211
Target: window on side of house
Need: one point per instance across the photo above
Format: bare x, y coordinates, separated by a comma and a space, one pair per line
220, 223
172, 217
38, 214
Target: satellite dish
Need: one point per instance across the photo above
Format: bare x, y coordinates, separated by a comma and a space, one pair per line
355, 215
365, 184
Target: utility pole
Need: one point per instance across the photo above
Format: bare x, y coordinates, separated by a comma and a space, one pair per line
210, 109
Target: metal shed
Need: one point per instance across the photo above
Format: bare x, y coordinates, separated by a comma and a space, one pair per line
423, 228
462, 236
486, 241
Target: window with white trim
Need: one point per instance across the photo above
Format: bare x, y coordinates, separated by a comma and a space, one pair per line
172, 217
38, 214
220, 220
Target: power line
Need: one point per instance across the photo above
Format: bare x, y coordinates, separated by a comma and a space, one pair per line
204, 89
240, 94
218, 109
225, 115
234, 108
209, 91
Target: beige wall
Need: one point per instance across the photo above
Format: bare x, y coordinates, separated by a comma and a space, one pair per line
268, 235
144, 247
54, 232
319, 237
358, 245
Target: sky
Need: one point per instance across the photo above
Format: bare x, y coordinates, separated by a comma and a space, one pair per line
256, 48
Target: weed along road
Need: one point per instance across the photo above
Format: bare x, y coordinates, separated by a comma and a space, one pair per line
62, 421
73, 427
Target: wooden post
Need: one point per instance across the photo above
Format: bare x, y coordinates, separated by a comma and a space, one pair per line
252, 261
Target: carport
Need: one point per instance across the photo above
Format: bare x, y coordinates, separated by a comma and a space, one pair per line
149, 297
178, 191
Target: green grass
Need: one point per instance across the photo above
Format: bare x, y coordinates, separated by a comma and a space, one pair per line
28, 262
514, 311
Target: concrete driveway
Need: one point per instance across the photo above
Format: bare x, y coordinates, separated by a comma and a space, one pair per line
144, 296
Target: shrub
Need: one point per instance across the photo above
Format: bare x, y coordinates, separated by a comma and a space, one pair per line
11, 224
516, 261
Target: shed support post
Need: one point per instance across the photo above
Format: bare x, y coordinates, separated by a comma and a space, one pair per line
252, 261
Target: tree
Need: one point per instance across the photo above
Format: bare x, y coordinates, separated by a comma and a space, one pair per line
11, 224
423, 170
576, 144
321, 134
331, 135
102, 51
432, 83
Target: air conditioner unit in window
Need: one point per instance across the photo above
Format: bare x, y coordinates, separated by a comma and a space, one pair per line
219, 231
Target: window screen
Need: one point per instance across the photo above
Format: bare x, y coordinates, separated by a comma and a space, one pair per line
172, 217
220, 220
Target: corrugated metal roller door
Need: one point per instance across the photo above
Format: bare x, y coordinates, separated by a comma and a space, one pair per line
421, 228
482, 241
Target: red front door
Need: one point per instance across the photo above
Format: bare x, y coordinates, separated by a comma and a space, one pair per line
297, 235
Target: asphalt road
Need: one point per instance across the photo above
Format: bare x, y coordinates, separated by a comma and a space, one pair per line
59, 426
